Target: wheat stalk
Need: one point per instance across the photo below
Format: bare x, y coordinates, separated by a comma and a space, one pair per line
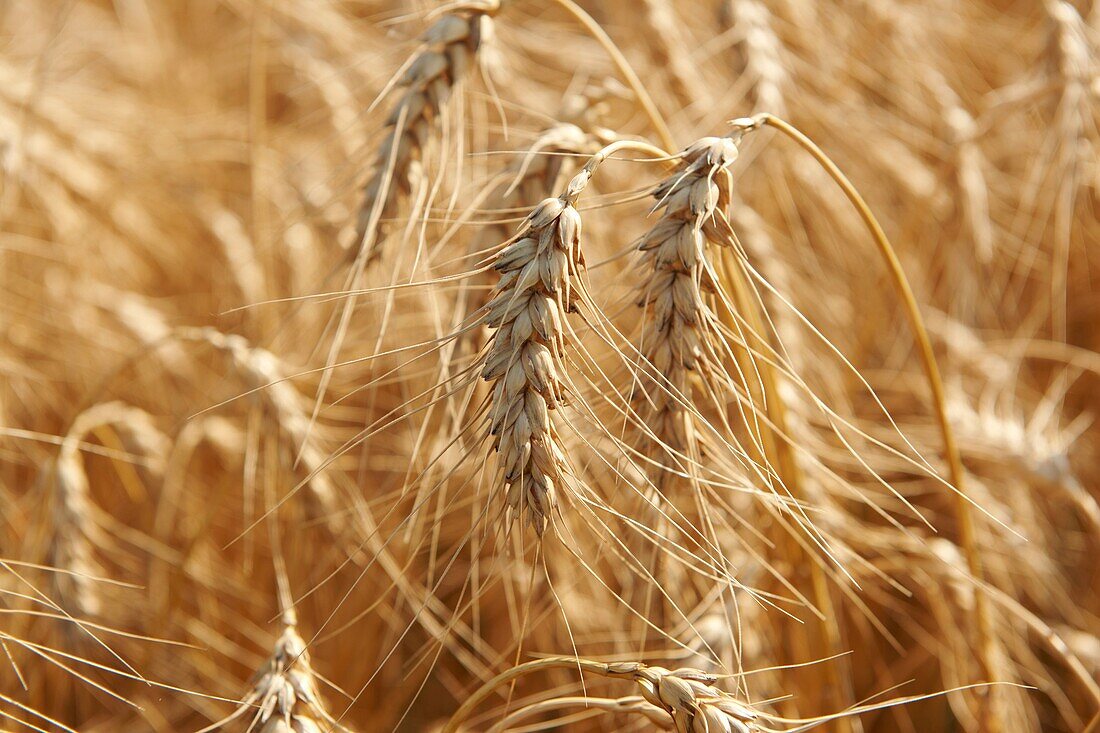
987, 643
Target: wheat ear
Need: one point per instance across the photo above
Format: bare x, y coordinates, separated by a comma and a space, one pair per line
687, 695
451, 45
761, 53
670, 52
263, 371
77, 532
674, 253
525, 359
284, 696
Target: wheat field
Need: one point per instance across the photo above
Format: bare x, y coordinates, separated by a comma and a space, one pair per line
711, 366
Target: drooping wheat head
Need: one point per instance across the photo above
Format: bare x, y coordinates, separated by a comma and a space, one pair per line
678, 337
451, 46
525, 358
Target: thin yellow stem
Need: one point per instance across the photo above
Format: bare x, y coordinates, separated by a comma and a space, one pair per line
963, 514
655, 153
625, 69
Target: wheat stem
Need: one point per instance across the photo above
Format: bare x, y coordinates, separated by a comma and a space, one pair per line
617, 58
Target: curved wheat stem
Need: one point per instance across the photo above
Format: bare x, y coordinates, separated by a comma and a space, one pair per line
987, 642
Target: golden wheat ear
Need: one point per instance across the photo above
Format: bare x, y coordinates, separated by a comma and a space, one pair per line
77, 531
692, 200
450, 50
537, 291
525, 356
284, 697
687, 697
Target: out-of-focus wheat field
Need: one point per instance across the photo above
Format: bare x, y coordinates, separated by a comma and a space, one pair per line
308, 423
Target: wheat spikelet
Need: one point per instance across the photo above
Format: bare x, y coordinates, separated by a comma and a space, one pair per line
541, 170
689, 696
451, 46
